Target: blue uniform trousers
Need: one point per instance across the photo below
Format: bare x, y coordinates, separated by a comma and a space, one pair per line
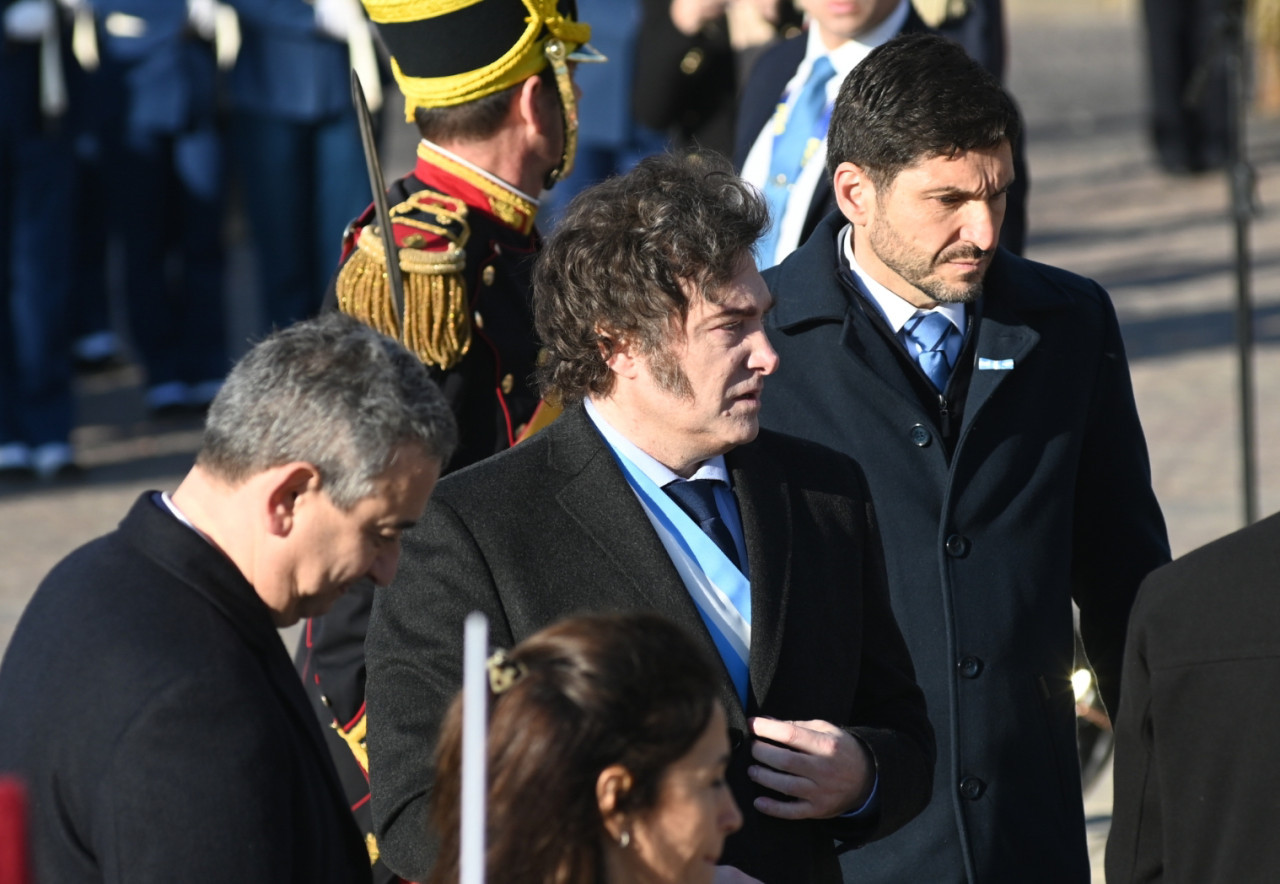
37, 241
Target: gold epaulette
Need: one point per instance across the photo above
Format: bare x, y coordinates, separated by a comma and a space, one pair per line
431, 231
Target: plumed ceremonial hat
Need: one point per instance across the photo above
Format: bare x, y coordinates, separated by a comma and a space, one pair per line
448, 52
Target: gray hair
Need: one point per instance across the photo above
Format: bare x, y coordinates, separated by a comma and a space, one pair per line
330, 392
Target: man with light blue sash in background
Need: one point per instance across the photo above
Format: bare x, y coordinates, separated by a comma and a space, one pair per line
656, 490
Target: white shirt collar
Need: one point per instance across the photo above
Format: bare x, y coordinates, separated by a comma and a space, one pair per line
658, 473
893, 308
481, 172
167, 502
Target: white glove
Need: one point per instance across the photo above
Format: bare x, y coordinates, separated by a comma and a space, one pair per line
203, 16
27, 21
338, 18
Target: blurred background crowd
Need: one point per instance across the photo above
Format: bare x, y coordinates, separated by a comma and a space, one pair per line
139, 139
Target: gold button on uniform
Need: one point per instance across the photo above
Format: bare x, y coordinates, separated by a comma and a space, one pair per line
507, 383
691, 62
487, 275
477, 319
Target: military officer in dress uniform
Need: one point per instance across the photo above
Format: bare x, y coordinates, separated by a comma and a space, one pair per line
489, 87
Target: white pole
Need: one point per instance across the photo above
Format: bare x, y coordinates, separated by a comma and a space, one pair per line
475, 695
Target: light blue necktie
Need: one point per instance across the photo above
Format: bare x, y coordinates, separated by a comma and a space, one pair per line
801, 134
930, 331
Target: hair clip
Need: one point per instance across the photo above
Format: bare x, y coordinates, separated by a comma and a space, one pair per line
503, 672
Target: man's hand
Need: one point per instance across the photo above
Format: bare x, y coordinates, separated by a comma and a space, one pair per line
827, 771
730, 875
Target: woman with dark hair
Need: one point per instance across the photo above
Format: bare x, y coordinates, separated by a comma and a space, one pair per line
607, 751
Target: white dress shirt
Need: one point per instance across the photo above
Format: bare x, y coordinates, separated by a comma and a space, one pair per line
897, 311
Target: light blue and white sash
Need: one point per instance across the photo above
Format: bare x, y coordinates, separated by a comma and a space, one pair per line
720, 591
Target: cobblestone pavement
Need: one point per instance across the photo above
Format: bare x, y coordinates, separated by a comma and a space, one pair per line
1162, 246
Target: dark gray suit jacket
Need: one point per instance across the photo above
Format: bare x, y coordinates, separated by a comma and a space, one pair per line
551, 527
1042, 496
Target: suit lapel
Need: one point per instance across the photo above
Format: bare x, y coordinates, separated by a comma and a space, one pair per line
597, 497
765, 507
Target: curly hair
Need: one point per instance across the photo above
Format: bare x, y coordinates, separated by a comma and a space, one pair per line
916, 97
627, 257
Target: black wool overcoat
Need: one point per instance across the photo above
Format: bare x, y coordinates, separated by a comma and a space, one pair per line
1045, 498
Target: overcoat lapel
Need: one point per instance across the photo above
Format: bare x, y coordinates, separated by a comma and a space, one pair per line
208, 574
764, 504
1003, 337
873, 360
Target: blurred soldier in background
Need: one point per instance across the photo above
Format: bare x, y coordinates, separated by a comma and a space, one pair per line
166, 184
297, 143
36, 241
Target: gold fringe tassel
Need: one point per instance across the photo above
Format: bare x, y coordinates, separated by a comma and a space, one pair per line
437, 324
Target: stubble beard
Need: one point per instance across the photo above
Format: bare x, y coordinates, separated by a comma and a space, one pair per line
918, 270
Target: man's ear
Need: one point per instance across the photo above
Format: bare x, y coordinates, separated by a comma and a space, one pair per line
529, 105
612, 785
855, 194
618, 353
291, 484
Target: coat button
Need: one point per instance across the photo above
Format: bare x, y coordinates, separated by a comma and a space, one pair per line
507, 383
487, 275
970, 667
920, 436
957, 546
477, 319
972, 788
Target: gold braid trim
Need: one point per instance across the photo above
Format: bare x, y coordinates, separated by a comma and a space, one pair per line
355, 740
437, 321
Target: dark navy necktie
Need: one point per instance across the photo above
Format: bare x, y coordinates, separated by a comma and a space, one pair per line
697, 497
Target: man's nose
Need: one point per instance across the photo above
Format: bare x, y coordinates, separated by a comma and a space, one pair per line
764, 358
982, 223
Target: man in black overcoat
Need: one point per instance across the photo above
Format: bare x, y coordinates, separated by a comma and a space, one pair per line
1196, 777
158, 723
988, 399
651, 311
